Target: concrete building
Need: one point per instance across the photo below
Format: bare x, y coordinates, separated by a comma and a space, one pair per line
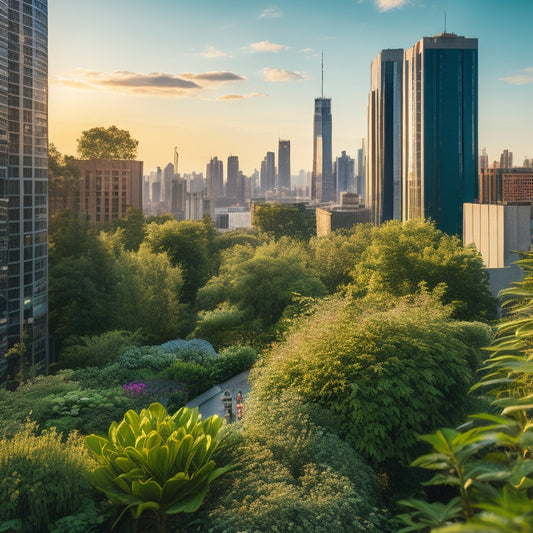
506, 159
483, 160
284, 164
360, 186
235, 182
24, 178
329, 219
322, 182
233, 218
384, 153
109, 187
498, 232
440, 130
268, 172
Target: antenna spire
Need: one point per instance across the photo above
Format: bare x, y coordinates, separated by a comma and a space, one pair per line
322, 74
445, 22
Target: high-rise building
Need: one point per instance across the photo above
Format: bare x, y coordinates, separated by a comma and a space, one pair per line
284, 164
23, 177
268, 172
168, 176
361, 171
440, 129
215, 178
235, 183
483, 160
322, 182
506, 159
384, 160
344, 173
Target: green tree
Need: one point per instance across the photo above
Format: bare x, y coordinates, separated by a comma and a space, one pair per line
107, 143
399, 256
255, 286
187, 245
63, 177
133, 227
278, 220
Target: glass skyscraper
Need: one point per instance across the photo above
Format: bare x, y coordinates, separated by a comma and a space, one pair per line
384, 162
23, 176
440, 129
322, 180
284, 164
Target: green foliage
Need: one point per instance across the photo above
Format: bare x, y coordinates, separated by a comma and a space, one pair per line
133, 228
232, 361
63, 175
195, 377
187, 245
107, 143
489, 460
100, 378
90, 520
98, 350
390, 373
283, 220
152, 357
253, 289
156, 462
294, 474
41, 478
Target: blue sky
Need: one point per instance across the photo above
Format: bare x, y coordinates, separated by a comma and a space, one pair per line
223, 77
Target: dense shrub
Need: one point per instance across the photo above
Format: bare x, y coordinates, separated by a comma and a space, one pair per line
195, 377
391, 373
231, 362
100, 378
98, 350
151, 357
41, 478
294, 475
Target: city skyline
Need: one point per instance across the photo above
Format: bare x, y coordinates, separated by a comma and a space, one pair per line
236, 81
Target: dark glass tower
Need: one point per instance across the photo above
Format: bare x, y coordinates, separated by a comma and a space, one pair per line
322, 180
384, 162
284, 164
24, 175
440, 129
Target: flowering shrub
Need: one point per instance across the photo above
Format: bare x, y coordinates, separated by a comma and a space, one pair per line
134, 389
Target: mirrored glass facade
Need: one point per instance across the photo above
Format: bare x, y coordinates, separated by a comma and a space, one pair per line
23, 175
322, 181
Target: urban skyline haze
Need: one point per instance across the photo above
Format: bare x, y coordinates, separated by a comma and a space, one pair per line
221, 78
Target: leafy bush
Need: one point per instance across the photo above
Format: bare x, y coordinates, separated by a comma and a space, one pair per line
151, 357
391, 373
195, 378
294, 475
100, 378
154, 461
98, 350
231, 362
41, 478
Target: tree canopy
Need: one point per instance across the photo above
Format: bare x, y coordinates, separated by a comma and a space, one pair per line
278, 220
107, 143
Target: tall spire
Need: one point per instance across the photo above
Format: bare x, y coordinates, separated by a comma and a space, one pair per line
176, 158
322, 74
445, 22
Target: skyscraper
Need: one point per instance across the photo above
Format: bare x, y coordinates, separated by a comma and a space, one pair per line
322, 182
268, 172
344, 173
23, 177
361, 171
440, 129
384, 163
235, 183
215, 178
506, 159
284, 164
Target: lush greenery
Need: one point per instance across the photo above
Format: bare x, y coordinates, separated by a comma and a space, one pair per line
294, 474
390, 371
156, 462
488, 460
107, 143
285, 220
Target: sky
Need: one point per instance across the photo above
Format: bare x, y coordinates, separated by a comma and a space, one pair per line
231, 77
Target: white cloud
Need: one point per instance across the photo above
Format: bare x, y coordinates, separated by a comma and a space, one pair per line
521, 78
239, 96
267, 46
271, 13
385, 5
155, 83
278, 74
306, 50
212, 53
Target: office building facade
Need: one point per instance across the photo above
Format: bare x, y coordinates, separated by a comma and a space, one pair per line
215, 178
24, 177
268, 172
344, 174
384, 160
322, 181
440, 129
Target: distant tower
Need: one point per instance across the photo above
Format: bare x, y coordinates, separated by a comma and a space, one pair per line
384, 161
235, 184
268, 172
506, 159
440, 130
284, 164
483, 160
176, 160
322, 181
344, 173
361, 171
215, 178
